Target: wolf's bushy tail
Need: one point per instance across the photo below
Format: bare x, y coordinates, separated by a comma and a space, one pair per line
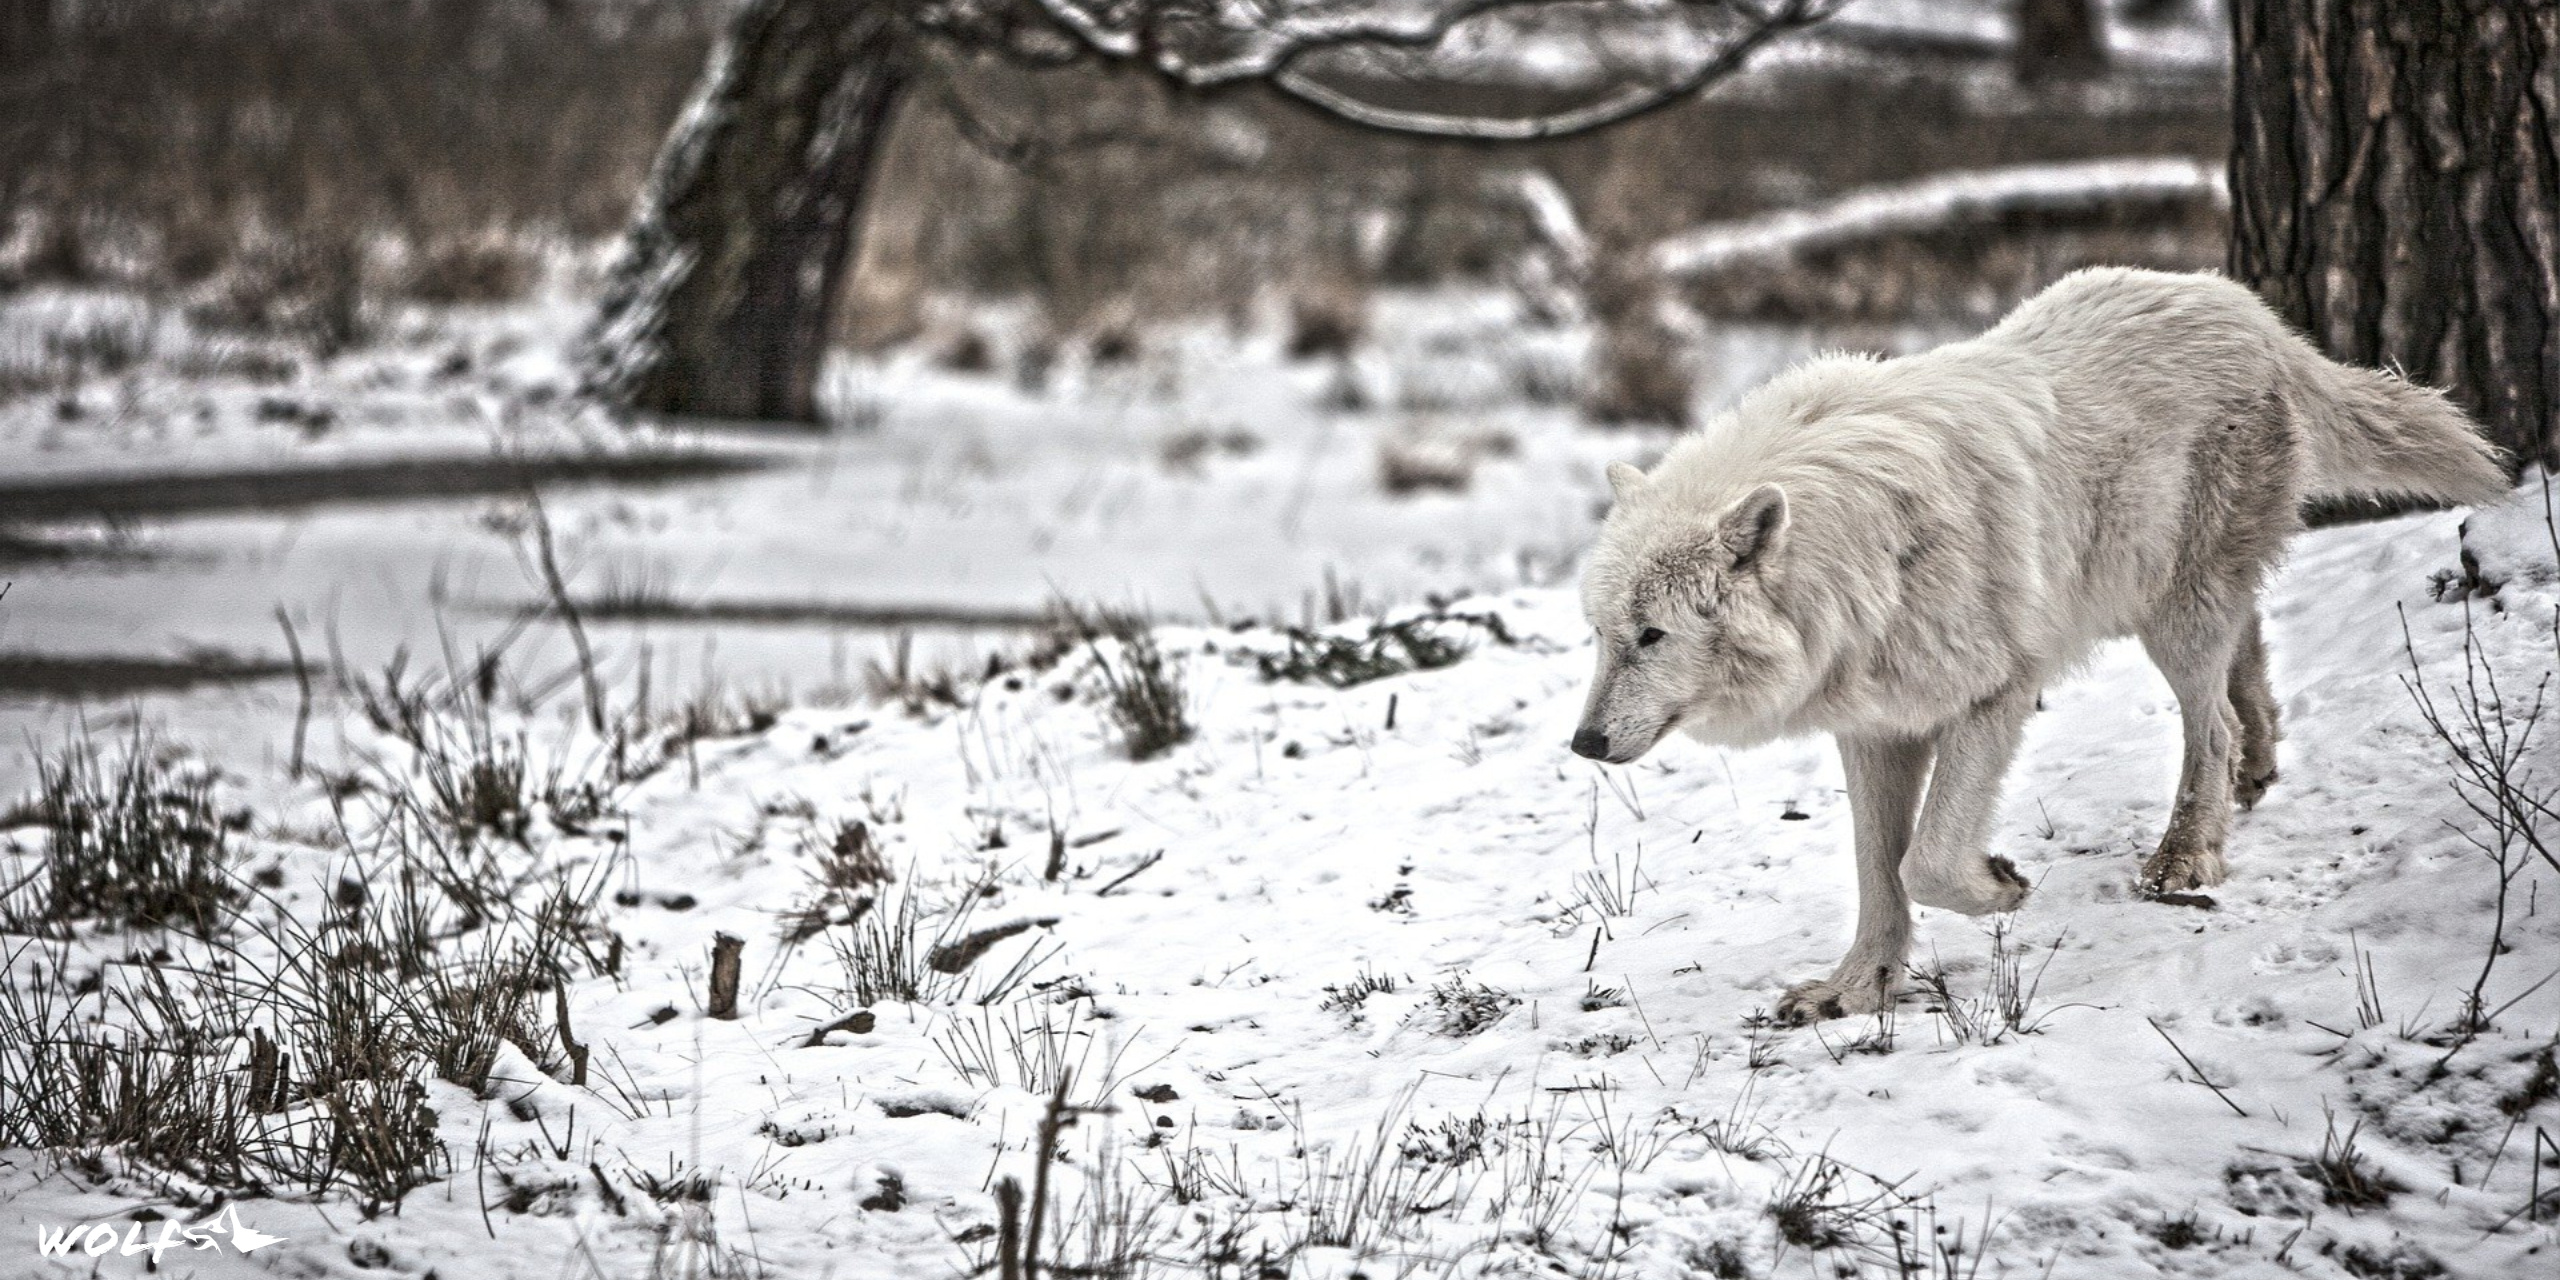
2369, 434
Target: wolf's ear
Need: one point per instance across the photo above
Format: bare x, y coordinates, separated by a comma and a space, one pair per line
1751, 527
1624, 479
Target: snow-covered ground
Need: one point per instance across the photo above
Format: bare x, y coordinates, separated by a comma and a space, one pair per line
121, 384
1576, 956
1380, 980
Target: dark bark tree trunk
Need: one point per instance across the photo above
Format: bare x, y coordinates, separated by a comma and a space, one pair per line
2395, 192
2060, 40
719, 302
27, 42
26, 32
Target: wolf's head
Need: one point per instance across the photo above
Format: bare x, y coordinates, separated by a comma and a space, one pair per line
1682, 596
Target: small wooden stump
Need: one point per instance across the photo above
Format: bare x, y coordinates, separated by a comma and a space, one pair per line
725, 951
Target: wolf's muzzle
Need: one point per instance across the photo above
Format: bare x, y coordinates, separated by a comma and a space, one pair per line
1591, 744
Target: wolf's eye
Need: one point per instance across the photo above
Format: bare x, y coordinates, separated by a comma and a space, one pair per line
1649, 637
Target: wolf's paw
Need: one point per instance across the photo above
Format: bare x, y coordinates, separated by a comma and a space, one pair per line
1833, 997
2248, 788
1986, 887
2177, 870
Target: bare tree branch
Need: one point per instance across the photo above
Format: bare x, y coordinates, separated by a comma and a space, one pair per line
1036, 155
1203, 44
1092, 28
1619, 105
1420, 27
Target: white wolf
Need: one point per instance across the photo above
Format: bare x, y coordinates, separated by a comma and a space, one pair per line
1901, 553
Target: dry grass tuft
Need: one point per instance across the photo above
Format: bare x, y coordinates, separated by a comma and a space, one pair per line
138, 842
479, 267
307, 288
1641, 369
1327, 320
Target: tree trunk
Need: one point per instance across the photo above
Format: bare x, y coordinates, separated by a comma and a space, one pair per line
2395, 192
719, 300
26, 32
2060, 40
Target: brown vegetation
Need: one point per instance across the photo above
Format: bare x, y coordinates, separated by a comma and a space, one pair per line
404, 147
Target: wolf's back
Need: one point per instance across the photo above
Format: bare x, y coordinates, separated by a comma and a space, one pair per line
2360, 432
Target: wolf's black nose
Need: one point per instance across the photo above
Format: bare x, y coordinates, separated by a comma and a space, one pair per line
1591, 744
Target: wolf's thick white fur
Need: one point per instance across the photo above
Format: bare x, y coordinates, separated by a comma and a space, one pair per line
1902, 553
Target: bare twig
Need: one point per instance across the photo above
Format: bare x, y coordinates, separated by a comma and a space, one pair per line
2200, 1077
1009, 1229
1130, 874
547, 561
2488, 738
1620, 105
302, 678
569, 1043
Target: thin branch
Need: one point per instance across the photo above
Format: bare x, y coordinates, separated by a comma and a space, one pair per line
1621, 105
1091, 29
1131, 874
557, 584
302, 678
1369, 30
1289, 36
2201, 1077
1147, 33
1028, 152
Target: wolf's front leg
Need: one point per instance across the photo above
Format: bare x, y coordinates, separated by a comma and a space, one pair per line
1884, 792
1950, 864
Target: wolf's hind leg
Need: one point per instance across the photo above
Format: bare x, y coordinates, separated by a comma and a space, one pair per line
1950, 864
2254, 702
1884, 792
2195, 651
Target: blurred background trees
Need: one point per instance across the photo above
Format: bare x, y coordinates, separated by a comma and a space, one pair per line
2060, 40
303, 166
728, 282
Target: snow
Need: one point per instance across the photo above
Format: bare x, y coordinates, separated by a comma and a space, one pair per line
1939, 202
1578, 954
2196, 37
131, 387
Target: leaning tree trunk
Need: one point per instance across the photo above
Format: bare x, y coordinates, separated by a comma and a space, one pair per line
719, 300
2395, 192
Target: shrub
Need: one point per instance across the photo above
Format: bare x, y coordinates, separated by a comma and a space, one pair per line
2347, 1178
1327, 320
1411, 466
1389, 649
1144, 703
491, 266
1640, 375
895, 949
307, 288
1640, 369
1462, 1007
